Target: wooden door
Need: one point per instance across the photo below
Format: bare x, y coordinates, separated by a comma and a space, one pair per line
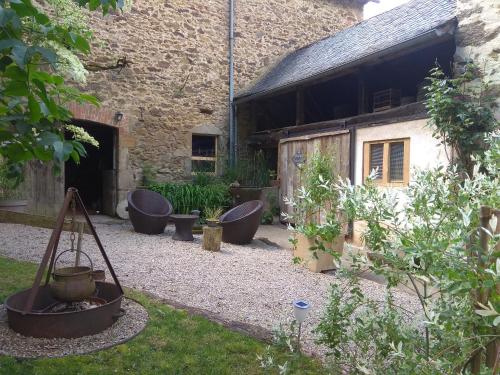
292, 150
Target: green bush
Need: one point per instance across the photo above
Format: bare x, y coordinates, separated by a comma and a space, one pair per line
186, 197
267, 218
10, 188
249, 171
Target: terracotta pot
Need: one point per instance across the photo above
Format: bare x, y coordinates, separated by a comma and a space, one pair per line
72, 284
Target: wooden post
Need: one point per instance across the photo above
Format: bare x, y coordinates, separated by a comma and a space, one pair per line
361, 93
493, 348
299, 108
482, 295
212, 237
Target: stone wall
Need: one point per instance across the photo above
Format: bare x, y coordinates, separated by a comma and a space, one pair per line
177, 79
267, 30
478, 38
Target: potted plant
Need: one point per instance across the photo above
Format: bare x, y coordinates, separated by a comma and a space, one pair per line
273, 177
318, 238
250, 175
212, 215
212, 232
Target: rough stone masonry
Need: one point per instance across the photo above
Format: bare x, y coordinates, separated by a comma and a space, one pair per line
478, 39
177, 80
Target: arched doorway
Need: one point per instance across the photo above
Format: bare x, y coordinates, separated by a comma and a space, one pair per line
95, 175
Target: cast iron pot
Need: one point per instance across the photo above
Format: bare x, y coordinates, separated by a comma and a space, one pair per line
72, 284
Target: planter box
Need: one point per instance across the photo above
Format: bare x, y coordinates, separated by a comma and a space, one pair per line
324, 261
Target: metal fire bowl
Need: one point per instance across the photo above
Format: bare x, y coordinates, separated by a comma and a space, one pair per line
63, 324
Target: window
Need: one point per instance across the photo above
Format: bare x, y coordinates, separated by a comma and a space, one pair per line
390, 158
204, 153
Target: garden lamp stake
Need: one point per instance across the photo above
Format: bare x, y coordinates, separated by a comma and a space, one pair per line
300, 310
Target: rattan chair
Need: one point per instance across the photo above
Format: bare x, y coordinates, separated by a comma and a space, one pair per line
240, 223
148, 211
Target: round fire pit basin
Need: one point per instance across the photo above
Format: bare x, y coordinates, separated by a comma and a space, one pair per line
41, 323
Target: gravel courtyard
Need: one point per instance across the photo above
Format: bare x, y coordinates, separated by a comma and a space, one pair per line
252, 284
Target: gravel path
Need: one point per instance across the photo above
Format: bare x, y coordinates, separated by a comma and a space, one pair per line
126, 327
252, 284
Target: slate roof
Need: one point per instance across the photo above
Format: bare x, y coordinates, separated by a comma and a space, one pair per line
373, 36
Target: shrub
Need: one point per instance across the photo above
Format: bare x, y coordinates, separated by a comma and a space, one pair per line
428, 235
9, 186
461, 112
187, 197
267, 218
249, 171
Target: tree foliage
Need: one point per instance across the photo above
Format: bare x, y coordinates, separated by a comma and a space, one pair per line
34, 96
461, 112
426, 238
314, 204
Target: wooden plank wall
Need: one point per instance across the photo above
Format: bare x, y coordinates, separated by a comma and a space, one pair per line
45, 189
336, 144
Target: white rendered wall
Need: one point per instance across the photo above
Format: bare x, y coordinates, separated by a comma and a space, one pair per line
425, 150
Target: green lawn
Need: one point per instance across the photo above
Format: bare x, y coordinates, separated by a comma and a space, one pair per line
172, 343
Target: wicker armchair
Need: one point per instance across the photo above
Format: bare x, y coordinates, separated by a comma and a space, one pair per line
148, 211
240, 223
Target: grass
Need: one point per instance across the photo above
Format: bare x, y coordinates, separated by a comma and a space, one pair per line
172, 343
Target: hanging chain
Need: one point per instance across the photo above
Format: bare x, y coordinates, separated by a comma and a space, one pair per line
73, 223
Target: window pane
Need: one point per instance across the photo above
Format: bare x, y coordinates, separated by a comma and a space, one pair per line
377, 158
207, 166
203, 145
396, 152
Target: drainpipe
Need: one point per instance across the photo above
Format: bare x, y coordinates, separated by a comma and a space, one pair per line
232, 128
352, 172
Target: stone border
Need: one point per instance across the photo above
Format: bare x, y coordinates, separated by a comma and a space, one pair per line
18, 346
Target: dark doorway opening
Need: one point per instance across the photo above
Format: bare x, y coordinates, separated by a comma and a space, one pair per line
95, 175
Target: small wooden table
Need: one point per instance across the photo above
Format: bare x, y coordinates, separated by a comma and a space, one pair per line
183, 227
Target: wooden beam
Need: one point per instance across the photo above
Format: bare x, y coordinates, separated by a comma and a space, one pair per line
409, 112
313, 136
299, 107
268, 114
362, 99
317, 107
40, 221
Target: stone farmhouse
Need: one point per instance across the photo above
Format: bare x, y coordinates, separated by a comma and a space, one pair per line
202, 82
173, 89
357, 95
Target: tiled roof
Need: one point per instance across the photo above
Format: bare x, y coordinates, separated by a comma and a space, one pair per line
373, 36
